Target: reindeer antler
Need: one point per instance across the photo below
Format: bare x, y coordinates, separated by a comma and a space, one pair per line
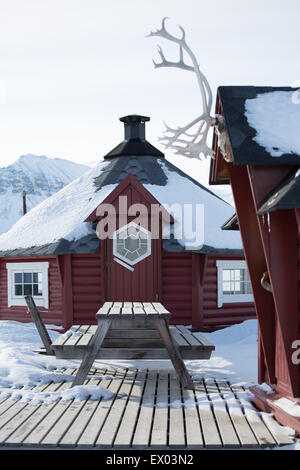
195, 144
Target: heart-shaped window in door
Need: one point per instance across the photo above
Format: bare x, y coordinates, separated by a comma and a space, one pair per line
131, 244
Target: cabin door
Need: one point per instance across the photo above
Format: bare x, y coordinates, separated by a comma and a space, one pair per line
132, 260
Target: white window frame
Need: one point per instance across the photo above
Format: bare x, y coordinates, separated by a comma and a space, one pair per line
234, 298
40, 300
115, 246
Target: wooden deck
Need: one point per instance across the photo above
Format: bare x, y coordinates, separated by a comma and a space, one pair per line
149, 410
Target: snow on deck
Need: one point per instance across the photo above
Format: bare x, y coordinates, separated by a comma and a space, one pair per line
133, 404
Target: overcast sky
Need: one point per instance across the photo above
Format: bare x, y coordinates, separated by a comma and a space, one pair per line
70, 68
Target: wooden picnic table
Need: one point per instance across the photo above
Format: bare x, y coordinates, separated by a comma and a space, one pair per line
126, 330
154, 312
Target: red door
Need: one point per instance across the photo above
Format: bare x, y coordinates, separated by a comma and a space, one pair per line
132, 261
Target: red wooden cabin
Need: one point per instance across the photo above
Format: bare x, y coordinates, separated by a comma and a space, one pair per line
260, 161
54, 252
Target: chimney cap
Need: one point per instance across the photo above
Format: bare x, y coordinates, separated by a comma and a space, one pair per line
134, 143
131, 118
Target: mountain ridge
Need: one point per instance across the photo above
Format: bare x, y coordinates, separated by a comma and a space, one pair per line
40, 176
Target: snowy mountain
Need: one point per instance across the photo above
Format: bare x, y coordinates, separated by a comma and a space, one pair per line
40, 176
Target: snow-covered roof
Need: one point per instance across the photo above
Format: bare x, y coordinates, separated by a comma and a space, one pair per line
286, 195
262, 124
57, 224
276, 118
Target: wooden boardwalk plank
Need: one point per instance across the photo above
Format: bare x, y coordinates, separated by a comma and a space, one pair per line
144, 421
281, 434
149, 410
259, 429
109, 429
48, 414
73, 434
176, 417
160, 420
227, 431
127, 426
23, 431
193, 430
4, 406
244, 431
64, 421
91, 432
13, 430
211, 435
13, 418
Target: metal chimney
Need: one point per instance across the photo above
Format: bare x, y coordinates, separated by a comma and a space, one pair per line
134, 126
134, 143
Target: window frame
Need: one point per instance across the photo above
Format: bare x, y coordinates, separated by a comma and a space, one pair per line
230, 298
30, 267
148, 245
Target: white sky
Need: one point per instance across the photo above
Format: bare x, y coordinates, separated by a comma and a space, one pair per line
70, 68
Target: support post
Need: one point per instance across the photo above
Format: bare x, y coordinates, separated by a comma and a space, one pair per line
183, 375
91, 353
256, 263
35, 314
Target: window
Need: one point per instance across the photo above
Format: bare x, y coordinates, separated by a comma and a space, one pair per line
27, 279
132, 243
233, 282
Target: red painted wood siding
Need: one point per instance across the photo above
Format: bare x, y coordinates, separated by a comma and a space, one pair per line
299, 282
281, 365
215, 317
53, 315
177, 286
88, 291
177, 293
87, 287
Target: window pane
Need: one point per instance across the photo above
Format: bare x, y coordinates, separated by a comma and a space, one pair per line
37, 289
238, 287
27, 289
27, 277
18, 289
226, 275
226, 287
37, 277
18, 278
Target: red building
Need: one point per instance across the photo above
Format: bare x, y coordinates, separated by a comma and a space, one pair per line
259, 157
186, 261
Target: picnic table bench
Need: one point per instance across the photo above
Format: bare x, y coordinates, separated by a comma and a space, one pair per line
131, 330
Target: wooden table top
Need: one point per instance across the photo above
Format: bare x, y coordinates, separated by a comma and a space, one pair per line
127, 310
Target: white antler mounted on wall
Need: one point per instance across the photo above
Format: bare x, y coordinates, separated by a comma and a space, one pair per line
194, 144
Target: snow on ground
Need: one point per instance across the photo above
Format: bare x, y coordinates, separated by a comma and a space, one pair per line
275, 116
234, 359
21, 368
